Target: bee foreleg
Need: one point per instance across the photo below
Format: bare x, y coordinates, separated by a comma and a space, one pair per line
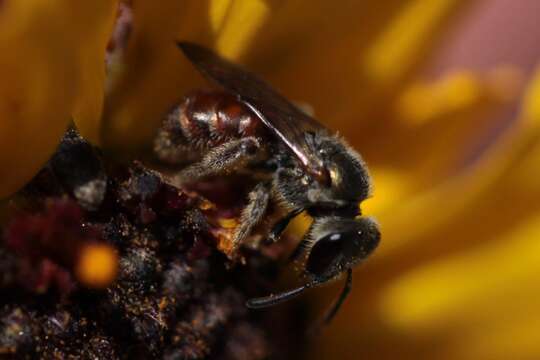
223, 158
252, 214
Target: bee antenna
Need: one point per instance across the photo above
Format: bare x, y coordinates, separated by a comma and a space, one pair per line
274, 299
314, 330
342, 296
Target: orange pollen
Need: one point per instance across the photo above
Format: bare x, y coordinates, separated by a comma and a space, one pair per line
97, 265
228, 223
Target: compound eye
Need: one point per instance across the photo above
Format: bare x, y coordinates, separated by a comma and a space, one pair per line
325, 254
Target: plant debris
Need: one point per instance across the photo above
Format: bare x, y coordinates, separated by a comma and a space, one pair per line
158, 288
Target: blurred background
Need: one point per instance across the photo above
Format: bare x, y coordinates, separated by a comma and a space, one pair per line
440, 97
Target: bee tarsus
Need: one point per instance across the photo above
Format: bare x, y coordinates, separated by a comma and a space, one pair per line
258, 200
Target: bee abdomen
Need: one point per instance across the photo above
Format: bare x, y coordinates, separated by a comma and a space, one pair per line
212, 118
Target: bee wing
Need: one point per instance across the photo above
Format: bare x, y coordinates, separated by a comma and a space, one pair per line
284, 119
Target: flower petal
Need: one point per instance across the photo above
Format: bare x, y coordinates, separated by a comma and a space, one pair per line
324, 59
89, 104
459, 261
153, 74
237, 24
41, 42
469, 293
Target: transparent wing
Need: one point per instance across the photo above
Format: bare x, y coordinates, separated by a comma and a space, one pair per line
284, 119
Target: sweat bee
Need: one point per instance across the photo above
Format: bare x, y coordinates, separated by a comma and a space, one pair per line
307, 167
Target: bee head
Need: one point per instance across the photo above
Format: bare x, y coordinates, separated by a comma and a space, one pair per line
339, 244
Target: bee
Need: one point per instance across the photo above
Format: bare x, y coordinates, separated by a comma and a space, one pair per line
248, 125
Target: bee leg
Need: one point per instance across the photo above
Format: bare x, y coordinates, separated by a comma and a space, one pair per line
252, 214
223, 158
280, 226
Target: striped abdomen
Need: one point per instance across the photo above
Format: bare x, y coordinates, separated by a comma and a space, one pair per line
207, 119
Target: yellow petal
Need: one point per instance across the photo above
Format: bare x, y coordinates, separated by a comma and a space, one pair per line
307, 52
389, 186
404, 39
89, 104
324, 59
506, 334
454, 262
41, 43
489, 280
422, 102
527, 170
154, 74
455, 93
458, 199
414, 159
237, 24
531, 101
